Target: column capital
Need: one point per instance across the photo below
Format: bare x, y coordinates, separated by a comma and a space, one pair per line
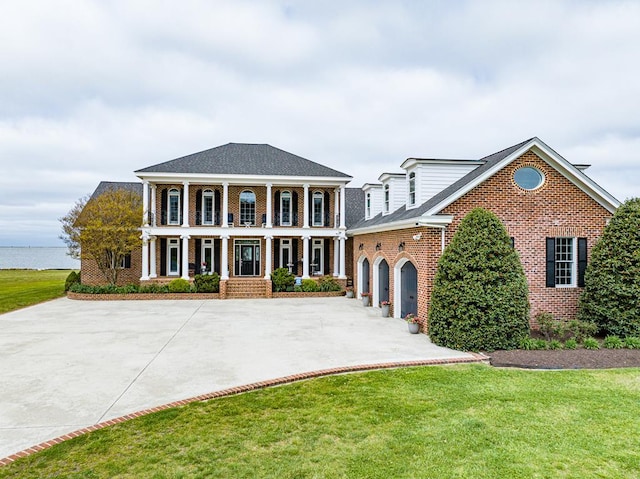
185, 236
268, 237
225, 237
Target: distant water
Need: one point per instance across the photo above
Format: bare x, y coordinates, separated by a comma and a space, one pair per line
36, 258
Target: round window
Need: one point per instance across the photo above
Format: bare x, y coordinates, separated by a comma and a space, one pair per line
528, 178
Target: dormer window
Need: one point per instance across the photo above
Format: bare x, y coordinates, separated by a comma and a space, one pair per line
386, 198
174, 207
368, 205
412, 189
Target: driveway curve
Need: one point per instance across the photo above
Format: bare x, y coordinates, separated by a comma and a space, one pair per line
66, 365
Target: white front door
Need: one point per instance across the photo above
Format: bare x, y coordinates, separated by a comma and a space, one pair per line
207, 256
285, 254
173, 257
317, 256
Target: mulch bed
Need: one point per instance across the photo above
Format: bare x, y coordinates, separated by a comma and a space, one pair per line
567, 359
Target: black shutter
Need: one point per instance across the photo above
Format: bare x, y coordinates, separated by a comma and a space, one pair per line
127, 260
163, 256
551, 262
294, 260
216, 256
216, 207
582, 260
163, 207
294, 207
181, 220
278, 220
513, 242
276, 253
199, 208
327, 253
198, 263
310, 208
327, 209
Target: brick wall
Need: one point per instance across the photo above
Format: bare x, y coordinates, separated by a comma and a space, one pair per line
93, 276
558, 208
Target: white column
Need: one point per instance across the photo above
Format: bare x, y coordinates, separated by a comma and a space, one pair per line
305, 257
269, 207
224, 257
153, 205
185, 205
185, 256
145, 203
343, 263
305, 223
145, 258
225, 208
336, 208
343, 208
336, 257
267, 258
152, 258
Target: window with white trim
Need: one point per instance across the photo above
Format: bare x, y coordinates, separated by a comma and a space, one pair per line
247, 208
174, 207
566, 262
386, 198
285, 208
318, 208
368, 205
412, 189
207, 207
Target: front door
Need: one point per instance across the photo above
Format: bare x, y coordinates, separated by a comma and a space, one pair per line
317, 257
247, 258
173, 257
207, 257
409, 288
285, 254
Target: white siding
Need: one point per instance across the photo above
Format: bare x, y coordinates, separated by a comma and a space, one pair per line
433, 178
376, 199
398, 191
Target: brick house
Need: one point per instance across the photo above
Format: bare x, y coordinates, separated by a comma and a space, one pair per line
551, 209
242, 210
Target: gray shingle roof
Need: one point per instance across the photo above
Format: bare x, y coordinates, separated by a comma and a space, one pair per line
354, 206
117, 185
244, 159
402, 213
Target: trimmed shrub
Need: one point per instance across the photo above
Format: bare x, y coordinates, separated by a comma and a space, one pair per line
328, 283
282, 280
72, 278
480, 293
154, 288
179, 285
612, 279
103, 289
206, 283
310, 286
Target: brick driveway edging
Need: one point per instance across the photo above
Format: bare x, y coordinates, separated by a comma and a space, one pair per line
477, 358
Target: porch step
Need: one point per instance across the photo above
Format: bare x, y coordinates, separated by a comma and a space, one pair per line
246, 288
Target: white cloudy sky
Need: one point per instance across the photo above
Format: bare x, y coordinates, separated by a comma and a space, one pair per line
92, 90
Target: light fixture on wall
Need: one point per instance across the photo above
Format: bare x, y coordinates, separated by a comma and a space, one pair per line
361, 246
417, 236
378, 246
401, 246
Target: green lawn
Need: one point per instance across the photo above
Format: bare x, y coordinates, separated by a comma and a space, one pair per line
468, 421
23, 287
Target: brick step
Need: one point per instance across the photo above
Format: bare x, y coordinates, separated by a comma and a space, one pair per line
244, 295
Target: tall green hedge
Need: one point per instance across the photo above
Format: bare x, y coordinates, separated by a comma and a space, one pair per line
480, 294
611, 297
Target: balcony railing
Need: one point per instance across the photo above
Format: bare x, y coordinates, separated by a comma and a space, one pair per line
196, 218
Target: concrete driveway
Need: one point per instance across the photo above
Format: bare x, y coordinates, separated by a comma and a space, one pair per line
66, 365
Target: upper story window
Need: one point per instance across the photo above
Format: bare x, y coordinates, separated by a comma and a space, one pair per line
285, 208
207, 207
174, 207
386, 198
318, 208
247, 208
368, 205
412, 189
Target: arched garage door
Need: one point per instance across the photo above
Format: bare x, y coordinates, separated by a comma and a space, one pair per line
408, 289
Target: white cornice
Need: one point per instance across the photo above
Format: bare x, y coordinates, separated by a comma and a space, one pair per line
410, 162
239, 231
283, 180
436, 221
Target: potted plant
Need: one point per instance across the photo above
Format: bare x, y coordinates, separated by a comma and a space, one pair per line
413, 322
349, 292
366, 298
385, 305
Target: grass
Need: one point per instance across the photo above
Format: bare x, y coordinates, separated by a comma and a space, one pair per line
435, 422
22, 287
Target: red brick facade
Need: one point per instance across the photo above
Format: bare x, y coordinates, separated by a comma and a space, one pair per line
557, 209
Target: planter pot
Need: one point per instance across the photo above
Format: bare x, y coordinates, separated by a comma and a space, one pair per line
414, 328
349, 294
385, 310
365, 300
